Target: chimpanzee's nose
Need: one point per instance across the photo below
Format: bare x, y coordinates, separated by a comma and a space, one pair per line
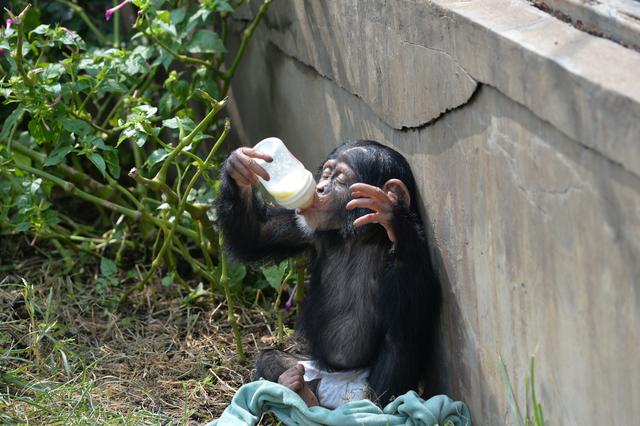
320, 188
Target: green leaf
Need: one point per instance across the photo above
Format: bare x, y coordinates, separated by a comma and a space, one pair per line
74, 125
108, 267
275, 273
93, 140
54, 88
98, 161
22, 227
112, 86
172, 123
156, 157
205, 41
180, 89
168, 279
51, 217
41, 29
113, 162
236, 272
37, 131
223, 6
136, 65
513, 405
147, 110
167, 103
177, 16
200, 15
53, 71
58, 155
10, 121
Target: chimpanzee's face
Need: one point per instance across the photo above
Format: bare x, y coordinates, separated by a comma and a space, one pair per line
328, 210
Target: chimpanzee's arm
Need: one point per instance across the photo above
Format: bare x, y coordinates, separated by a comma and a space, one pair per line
254, 231
413, 298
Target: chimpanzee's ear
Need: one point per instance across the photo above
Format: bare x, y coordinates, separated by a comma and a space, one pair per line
399, 189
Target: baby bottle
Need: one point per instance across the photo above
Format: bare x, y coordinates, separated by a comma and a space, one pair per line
291, 185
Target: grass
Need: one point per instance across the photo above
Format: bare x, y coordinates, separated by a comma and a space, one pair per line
66, 358
533, 409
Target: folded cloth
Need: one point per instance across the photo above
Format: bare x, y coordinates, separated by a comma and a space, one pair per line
336, 388
256, 398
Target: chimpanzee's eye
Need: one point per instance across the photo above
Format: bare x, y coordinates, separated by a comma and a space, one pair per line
326, 172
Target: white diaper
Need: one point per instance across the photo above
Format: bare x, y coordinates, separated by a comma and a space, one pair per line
336, 387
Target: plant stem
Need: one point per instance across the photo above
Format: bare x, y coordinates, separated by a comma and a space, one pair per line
72, 189
224, 281
178, 214
197, 266
202, 126
116, 27
279, 319
246, 36
137, 159
18, 56
76, 176
300, 267
68, 262
198, 212
91, 123
205, 252
182, 58
82, 14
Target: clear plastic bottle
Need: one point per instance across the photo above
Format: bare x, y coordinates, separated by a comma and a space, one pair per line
291, 185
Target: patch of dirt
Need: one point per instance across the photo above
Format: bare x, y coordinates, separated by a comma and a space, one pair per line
157, 354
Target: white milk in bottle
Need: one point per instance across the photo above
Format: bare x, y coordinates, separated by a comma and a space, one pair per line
291, 185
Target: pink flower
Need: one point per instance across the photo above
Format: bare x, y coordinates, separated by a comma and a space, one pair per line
9, 22
289, 304
109, 12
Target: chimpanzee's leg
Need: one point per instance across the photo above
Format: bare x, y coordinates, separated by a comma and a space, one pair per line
281, 367
271, 363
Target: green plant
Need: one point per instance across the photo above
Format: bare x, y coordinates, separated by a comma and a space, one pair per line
82, 114
533, 410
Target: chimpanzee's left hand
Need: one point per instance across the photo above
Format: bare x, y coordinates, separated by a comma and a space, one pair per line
383, 201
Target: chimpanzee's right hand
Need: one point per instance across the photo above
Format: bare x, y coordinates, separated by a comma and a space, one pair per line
243, 169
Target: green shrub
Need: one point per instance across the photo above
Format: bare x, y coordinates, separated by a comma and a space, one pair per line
112, 147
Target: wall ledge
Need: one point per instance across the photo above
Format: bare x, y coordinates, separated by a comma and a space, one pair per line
399, 56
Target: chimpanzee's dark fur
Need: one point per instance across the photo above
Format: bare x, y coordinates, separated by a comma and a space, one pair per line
370, 303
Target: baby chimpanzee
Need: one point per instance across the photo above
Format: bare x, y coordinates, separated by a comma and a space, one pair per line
373, 298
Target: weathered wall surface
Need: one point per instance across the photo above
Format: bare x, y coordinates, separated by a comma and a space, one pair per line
524, 136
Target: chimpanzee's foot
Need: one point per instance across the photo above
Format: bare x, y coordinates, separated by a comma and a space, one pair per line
293, 378
271, 363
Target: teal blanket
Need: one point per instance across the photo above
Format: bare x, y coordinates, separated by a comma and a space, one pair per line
256, 398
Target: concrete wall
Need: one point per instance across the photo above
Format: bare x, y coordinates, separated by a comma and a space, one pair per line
524, 136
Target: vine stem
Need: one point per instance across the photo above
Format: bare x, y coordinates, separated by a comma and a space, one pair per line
77, 176
19, 22
246, 36
279, 319
224, 280
300, 267
127, 212
71, 188
116, 27
180, 57
83, 15
157, 261
204, 124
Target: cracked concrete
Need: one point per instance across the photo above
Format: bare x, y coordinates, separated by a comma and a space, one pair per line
527, 177
404, 87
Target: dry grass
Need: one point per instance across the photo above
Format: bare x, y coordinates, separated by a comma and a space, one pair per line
66, 359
